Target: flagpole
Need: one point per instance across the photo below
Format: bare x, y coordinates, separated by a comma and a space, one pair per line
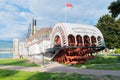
65, 12
67, 5
65, 15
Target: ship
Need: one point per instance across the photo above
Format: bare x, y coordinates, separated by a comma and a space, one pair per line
68, 43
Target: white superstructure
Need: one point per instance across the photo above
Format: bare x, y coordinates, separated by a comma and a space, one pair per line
61, 35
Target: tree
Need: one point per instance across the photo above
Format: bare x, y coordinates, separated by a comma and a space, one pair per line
116, 28
110, 29
114, 8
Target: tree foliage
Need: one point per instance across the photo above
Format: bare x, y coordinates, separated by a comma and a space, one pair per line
111, 30
114, 8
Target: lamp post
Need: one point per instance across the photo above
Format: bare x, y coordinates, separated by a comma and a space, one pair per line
42, 60
42, 52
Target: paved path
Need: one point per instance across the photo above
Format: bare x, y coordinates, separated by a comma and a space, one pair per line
55, 67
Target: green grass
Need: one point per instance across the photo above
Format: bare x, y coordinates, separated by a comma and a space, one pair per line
103, 62
17, 62
14, 75
22, 75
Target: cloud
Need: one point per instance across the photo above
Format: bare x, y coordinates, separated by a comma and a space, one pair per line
14, 20
82, 9
16, 15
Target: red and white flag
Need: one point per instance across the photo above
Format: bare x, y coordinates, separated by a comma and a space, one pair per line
69, 5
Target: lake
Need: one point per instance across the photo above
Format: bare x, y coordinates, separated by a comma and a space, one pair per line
9, 55
6, 44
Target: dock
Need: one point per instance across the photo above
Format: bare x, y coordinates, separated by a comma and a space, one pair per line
6, 50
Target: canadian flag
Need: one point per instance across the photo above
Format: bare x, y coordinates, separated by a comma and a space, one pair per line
69, 5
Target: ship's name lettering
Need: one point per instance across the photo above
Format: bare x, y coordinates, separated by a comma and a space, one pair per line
84, 32
83, 29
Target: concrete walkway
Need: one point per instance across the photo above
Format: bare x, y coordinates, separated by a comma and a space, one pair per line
55, 67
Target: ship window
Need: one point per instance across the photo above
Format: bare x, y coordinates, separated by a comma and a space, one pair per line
86, 40
71, 40
99, 40
93, 40
57, 41
79, 40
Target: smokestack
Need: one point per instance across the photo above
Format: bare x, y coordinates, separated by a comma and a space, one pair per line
35, 22
34, 26
30, 30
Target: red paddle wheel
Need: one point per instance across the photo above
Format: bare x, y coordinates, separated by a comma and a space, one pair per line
72, 55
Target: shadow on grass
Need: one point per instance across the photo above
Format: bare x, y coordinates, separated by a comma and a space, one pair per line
7, 73
40, 76
56, 76
99, 60
101, 63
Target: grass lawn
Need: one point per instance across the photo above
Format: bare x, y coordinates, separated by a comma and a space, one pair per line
102, 62
22, 75
17, 62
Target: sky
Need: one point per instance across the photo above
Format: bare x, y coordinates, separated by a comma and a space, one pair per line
16, 15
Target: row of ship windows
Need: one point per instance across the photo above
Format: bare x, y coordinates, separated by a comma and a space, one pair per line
87, 40
44, 36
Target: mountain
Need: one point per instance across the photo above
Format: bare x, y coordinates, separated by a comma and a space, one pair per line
6, 44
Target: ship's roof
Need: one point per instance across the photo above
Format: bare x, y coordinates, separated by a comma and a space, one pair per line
74, 28
39, 34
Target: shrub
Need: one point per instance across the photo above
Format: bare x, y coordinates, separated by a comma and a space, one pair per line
118, 58
117, 51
